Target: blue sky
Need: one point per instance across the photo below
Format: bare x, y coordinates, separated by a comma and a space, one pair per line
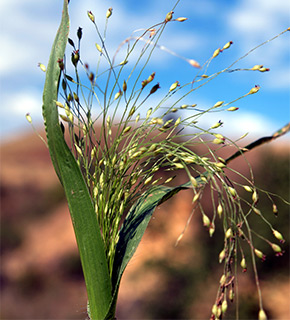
28, 28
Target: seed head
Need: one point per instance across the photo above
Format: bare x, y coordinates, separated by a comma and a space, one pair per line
76, 97
260, 254
193, 63
216, 125
206, 221
144, 83
60, 64
264, 69
91, 76
121, 207
214, 309
127, 129
91, 16
224, 306
69, 97
222, 255
218, 141
181, 19
152, 147
232, 109
131, 112
193, 181
220, 165
223, 280
255, 197
109, 13
78, 149
80, 33
174, 86
169, 16
93, 152
211, 229
63, 85
108, 121
59, 104
229, 233
275, 209
28, 118
276, 248
99, 48
148, 180
254, 90
227, 45
220, 210
168, 180
156, 121
95, 192
154, 88
257, 67
248, 189
42, 67
177, 122
151, 77
122, 63
195, 198
179, 165
262, 315
232, 191
148, 113
118, 94
278, 236
218, 104
219, 136
244, 264
216, 52
222, 160
231, 294
64, 118
124, 86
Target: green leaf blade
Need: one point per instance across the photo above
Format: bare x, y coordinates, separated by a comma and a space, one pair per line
87, 231
134, 227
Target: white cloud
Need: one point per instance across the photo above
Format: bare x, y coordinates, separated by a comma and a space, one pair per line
28, 34
256, 18
14, 108
253, 22
23, 102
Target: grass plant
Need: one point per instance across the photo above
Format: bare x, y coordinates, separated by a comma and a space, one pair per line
109, 149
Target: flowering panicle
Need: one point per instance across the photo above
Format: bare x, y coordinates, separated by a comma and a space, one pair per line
123, 146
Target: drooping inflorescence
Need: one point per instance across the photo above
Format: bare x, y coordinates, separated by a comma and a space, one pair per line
123, 145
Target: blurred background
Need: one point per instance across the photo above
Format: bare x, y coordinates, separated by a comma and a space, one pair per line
41, 276
40, 268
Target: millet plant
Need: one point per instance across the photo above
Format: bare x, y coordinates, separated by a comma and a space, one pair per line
109, 149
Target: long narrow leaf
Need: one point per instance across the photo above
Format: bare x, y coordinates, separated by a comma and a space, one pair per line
134, 227
83, 216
